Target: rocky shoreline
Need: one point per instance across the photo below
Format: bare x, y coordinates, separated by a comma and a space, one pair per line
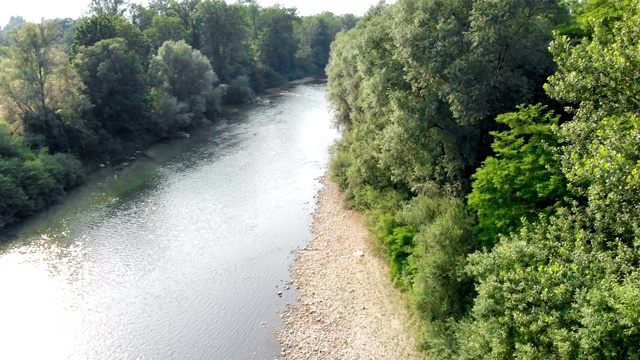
347, 307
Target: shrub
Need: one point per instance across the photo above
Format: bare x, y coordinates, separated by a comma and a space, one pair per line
239, 91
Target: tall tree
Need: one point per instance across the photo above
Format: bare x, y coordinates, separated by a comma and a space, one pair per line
14, 22
316, 34
277, 44
40, 90
108, 7
164, 28
116, 84
185, 80
141, 17
186, 10
224, 32
104, 27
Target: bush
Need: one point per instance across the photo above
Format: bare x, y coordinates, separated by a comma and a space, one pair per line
523, 179
13, 200
239, 91
442, 292
555, 290
272, 78
170, 115
397, 241
29, 182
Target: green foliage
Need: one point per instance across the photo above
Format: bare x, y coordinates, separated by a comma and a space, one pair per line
555, 290
109, 26
398, 243
441, 290
184, 74
170, 115
420, 87
563, 287
417, 86
224, 37
591, 14
31, 181
601, 155
277, 45
316, 33
116, 84
523, 179
108, 7
239, 91
141, 17
421, 99
164, 28
40, 91
13, 201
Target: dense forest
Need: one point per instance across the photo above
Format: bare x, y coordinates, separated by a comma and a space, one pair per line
494, 148
75, 94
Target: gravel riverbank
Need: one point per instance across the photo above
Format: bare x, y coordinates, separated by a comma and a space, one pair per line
347, 307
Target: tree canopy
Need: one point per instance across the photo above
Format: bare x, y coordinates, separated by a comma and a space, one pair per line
98, 88
499, 178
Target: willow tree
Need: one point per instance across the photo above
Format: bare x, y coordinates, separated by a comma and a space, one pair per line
40, 90
184, 86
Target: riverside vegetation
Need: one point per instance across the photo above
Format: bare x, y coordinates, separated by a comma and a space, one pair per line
78, 93
493, 147
491, 144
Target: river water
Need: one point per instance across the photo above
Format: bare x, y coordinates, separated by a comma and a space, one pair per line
181, 255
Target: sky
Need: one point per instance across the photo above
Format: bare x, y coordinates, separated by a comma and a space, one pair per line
34, 10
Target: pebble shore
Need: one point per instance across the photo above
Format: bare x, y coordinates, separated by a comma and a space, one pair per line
347, 307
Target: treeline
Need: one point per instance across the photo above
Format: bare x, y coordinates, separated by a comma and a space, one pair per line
493, 146
78, 93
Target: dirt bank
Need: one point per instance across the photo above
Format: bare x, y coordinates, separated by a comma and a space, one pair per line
347, 307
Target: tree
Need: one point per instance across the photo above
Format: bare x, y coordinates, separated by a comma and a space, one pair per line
141, 17
186, 10
441, 290
589, 14
418, 86
555, 290
104, 27
599, 78
115, 83
224, 33
30, 181
67, 27
523, 179
108, 7
14, 23
567, 286
316, 34
276, 42
252, 9
474, 60
185, 79
165, 28
239, 91
40, 90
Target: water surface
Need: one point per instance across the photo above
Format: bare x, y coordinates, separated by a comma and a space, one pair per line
180, 256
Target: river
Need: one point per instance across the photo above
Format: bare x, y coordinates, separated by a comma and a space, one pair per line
179, 256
